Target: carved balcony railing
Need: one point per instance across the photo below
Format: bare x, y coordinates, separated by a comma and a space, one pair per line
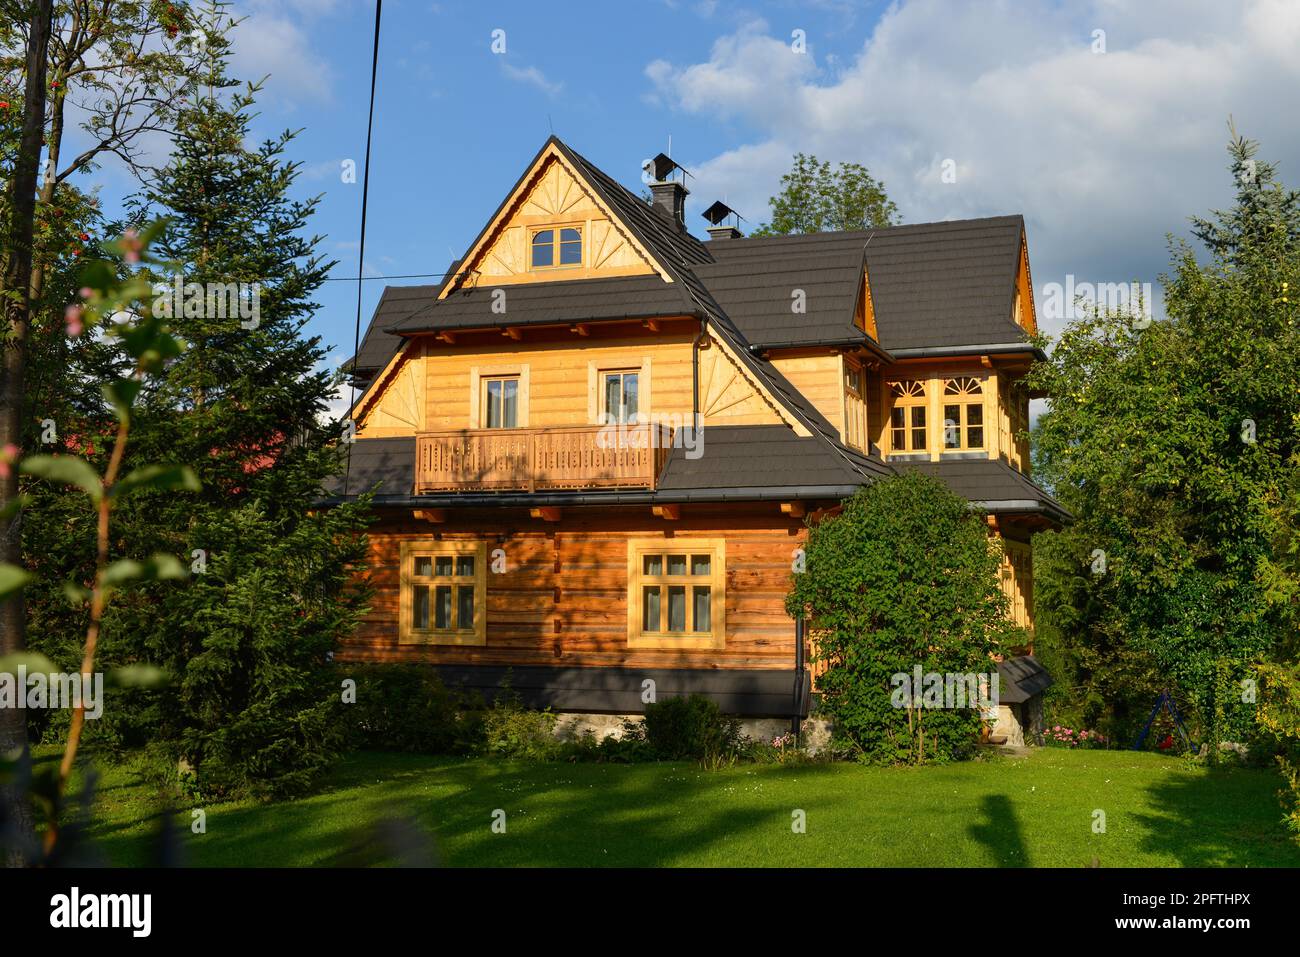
579, 457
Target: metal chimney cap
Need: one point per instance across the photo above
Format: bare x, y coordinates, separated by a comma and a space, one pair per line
662, 167
719, 211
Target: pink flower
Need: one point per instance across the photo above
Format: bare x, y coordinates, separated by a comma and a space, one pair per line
132, 245
72, 317
8, 455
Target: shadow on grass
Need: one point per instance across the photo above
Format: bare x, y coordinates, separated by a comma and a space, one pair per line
1000, 832
1219, 817
414, 810
565, 815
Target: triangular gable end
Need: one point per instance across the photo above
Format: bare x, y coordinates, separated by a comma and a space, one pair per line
393, 403
552, 194
1023, 312
864, 313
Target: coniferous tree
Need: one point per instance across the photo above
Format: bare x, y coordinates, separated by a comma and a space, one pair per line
251, 703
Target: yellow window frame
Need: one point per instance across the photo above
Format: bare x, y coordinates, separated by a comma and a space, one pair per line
409, 581
638, 581
908, 394
557, 230
967, 393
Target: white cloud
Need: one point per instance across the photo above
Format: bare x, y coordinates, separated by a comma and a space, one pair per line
1103, 153
272, 40
532, 76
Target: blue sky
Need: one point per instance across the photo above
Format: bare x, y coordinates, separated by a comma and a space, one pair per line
1102, 121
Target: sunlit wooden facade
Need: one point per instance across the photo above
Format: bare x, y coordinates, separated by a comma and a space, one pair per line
596, 446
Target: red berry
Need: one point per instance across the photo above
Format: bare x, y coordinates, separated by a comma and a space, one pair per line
84, 237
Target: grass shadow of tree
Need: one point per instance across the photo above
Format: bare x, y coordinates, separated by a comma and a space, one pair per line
1219, 817
1000, 832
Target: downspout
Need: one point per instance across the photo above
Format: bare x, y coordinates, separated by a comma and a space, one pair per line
796, 719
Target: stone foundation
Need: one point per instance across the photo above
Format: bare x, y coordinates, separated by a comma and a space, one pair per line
816, 732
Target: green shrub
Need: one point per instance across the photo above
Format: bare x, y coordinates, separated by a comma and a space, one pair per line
630, 747
692, 729
905, 577
1279, 719
509, 730
406, 707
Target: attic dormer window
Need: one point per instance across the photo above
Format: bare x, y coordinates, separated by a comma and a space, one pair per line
556, 246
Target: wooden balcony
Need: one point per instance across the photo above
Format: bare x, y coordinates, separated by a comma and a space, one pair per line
579, 457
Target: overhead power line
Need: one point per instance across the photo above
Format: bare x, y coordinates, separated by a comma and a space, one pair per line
361, 253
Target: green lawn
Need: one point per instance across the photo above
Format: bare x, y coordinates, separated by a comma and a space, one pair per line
1010, 811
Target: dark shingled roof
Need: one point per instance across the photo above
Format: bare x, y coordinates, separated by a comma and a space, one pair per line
741, 457
749, 457
768, 456
990, 482
946, 284
932, 284
396, 305
1019, 679
578, 300
389, 462
755, 284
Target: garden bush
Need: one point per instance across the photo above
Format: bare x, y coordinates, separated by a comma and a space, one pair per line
904, 577
692, 729
509, 730
405, 707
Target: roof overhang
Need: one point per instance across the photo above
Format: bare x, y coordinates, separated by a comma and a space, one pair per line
992, 350
785, 493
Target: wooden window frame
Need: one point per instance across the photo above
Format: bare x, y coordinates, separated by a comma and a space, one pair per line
596, 372
603, 409
484, 383
921, 401
854, 411
478, 394
407, 633
716, 548
965, 401
556, 229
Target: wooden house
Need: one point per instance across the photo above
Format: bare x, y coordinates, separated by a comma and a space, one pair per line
547, 506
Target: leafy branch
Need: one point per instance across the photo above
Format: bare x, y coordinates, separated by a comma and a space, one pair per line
121, 307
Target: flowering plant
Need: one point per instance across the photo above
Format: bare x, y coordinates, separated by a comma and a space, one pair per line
1059, 735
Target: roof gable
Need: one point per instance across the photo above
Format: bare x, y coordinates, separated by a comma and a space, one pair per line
555, 191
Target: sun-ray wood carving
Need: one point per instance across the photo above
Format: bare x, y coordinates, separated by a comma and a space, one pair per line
399, 407
554, 195
727, 397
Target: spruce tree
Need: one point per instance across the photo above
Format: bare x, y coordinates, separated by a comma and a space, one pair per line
251, 704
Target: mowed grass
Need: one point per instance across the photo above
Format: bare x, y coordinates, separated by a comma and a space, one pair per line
1037, 810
